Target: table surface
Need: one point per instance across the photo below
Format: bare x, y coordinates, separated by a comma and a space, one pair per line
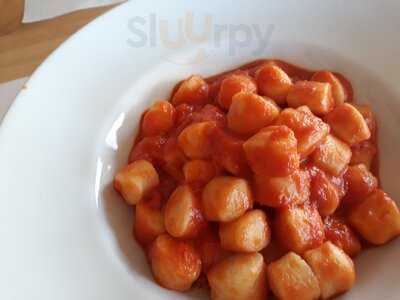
24, 49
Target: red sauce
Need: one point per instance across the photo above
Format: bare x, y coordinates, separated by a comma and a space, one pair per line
297, 226
185, 114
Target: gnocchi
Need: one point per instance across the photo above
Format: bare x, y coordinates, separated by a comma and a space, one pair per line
324, 194
299, 228
248, 233
239, 277
182, 214
283, 191
332, 155
364, 153
316, 95
250, 112
226, 198
149, 221
291, 278
136, 180
175, 264
279, 145
348, 124
333, 268
232, 85
360, 182
273, 82
261, 180
158, 119
308, 129
193, 90
339, 93
376, 218
195, 140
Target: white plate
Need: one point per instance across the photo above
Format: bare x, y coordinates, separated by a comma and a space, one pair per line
64, 233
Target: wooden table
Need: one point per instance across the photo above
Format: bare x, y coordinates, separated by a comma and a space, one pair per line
23, 47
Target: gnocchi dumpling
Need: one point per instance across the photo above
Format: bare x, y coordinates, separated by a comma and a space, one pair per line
332, 155
360, 182
175, 264
195, 140
233, 84
193, 90
316, 95
239, 277
324, 194
333, 268
291, 278
149, 221
182, 214
339, 93
376, 218
250, 112
158, 119
279, 145
273, 82
248, 233
293, 189
308, 129
299, 228
226, 198
136, 180
348, 124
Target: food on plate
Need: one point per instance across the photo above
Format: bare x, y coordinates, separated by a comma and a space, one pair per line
316, 95
273, 82
195, 140
291, 278
277, 143
348, 124
136, 180
250, 112
182, 213
260, 180
232, 85
299, 228
149, 220
226, 198
339, 93
376, 218
282, 191
308, 129
240, 276
332, 156
248, 233
333, 268
175, 264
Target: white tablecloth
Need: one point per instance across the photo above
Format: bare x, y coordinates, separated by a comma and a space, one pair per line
36, 10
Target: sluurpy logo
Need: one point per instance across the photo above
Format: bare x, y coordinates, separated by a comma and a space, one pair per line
172, 35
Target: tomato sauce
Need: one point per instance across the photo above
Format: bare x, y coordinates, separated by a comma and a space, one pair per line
199, 143
186, 113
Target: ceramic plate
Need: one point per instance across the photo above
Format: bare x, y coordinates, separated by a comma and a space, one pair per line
64, 232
